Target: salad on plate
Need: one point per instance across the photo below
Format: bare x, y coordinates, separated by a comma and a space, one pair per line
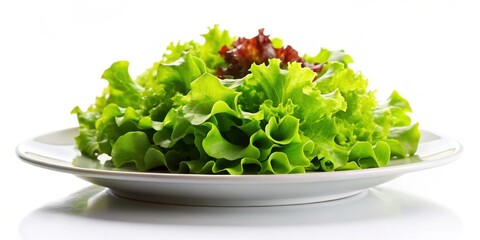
231, 105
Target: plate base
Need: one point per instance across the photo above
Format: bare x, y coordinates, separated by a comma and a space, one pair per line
231, 202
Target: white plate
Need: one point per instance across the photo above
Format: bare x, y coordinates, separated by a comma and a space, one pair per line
56, 151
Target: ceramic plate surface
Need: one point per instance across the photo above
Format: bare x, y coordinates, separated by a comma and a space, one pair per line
56, 151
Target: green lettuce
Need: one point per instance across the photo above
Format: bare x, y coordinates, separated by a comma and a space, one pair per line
178, 116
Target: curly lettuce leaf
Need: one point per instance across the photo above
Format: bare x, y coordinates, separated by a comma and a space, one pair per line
208, 97
274, 84
133, 147
326, 55
215, 39
121, 90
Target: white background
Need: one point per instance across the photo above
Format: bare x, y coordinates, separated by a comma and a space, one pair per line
52, 54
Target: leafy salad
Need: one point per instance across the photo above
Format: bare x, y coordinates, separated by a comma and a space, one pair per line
244, 106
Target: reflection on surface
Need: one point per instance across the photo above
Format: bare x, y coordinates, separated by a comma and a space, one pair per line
95, 213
